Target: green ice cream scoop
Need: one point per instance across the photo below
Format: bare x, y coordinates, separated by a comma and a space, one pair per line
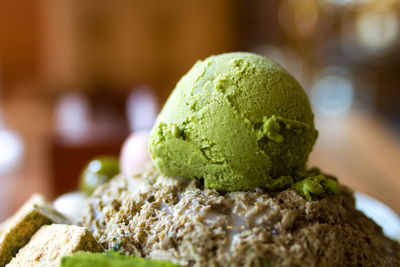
237, 120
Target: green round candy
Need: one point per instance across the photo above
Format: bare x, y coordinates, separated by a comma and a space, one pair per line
98, 171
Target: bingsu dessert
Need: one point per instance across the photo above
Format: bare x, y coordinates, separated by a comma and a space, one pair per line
229, 185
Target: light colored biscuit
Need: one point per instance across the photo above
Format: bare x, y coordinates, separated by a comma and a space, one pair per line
52, 242
16, 231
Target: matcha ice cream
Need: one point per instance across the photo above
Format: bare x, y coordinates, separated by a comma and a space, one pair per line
238, 121
110, 259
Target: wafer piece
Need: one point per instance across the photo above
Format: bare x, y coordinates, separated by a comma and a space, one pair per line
16, 231
52, 242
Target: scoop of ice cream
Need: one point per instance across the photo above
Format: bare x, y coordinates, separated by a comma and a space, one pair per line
237, 120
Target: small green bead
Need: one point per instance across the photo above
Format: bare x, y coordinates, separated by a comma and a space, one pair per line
98, 171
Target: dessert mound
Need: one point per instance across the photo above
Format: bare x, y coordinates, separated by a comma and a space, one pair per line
179, 220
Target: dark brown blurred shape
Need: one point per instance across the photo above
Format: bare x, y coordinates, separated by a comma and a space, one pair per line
92, 44
68, 160
19, 43
87, 45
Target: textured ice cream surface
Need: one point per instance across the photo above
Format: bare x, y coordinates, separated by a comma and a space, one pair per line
179, 220
238, 121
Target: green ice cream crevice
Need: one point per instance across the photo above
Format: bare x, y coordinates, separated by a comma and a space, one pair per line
270, 129
279, 183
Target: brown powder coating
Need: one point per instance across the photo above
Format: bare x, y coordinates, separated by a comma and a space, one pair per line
18, 229
51, 243
172, 219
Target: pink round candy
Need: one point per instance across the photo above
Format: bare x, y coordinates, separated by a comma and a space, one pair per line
135, 153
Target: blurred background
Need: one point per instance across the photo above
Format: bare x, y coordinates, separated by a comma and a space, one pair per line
76, 77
